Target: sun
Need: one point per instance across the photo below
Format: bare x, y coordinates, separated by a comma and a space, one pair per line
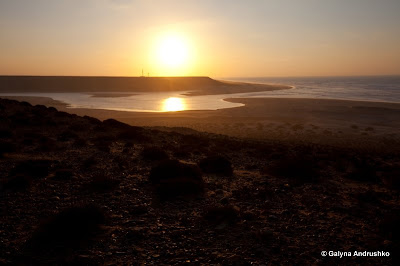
172, 51
173, 104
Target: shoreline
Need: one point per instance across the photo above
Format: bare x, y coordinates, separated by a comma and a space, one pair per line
319, 121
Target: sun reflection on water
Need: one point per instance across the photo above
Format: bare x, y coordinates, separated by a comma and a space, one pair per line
173, 104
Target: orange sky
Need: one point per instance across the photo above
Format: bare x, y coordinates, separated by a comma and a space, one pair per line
221, 38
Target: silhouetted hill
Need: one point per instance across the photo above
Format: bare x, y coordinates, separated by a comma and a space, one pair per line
102, 84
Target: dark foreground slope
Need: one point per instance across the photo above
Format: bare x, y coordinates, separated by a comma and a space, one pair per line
78, 190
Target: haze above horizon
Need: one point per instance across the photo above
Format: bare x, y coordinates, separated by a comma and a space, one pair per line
200, 38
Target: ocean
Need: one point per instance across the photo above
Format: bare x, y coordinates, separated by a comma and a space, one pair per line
372, 88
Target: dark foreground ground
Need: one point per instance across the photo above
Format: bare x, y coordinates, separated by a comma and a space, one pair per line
75, 190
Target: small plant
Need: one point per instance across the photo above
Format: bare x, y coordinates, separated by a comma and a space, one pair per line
153, 153
16, 183
63, 174
172, 178
133, 134
6, 147
115, 124
221, 216
68, 229
216, 164
32, 168
102, 183
300, 169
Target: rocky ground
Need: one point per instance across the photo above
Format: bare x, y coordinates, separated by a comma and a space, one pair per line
77, 190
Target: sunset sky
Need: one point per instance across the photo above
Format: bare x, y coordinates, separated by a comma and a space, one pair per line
209, 38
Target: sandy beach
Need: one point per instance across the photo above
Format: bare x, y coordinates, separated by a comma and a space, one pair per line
338, 122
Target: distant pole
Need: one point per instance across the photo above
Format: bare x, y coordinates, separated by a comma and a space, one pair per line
142, 72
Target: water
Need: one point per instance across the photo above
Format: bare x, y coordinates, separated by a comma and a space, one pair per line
138, 102
377, 89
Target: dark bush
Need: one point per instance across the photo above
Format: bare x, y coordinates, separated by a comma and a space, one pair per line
218, 215
153, 153
216, 164
26, 104
6, 147
104, 147
369, 197
115, 124
63, 174
390, 176
61, 114
66, 136
47, 145
362, 170
79, 142
68, 229
5, 134
32, 168
103, 183
173, 178
92, 120
183, 151
389, 226
89, 162
300, 169
134, 134
52, 109
17, 183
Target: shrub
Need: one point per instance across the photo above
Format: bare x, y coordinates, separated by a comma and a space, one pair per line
154, 154
102, 183
63, 174
66, 136
362, 170
5, 133
172, 178
133, 134
52, 109
6, 147
89, 162
92, 120
104, 147
216, 164
32, 168
26, 104
183, 151
115, 124
17, 183
80, 142
218, 215
389, 226
47, 145
68, 229
300, 169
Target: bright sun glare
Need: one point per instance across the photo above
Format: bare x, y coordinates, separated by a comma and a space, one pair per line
173, 104
172, 51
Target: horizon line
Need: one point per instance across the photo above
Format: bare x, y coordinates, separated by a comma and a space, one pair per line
201, 76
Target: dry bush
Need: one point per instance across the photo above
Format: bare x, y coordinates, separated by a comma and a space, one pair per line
300, 169
216, 164
221, 215
153, 153
172, 178
70, 228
